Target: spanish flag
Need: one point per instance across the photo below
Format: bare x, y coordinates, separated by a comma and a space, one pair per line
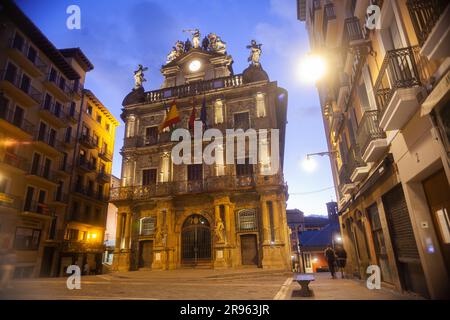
172, 117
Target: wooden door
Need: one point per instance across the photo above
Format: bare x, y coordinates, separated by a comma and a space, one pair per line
145, 254
249, 249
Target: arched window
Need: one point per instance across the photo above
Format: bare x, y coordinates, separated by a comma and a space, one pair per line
148, 226
247, 220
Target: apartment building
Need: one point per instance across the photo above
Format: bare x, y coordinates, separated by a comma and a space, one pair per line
41, 92
386, 109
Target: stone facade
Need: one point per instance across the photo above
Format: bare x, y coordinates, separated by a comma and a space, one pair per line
225, 217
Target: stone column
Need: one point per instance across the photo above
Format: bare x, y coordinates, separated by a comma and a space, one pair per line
118, 232
276, 221
266, 222
127, 231
227, 223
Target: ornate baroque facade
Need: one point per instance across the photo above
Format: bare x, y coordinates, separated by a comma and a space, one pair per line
219, 215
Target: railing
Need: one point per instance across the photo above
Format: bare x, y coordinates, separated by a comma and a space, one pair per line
43, 172
16, 161
47, 138
61, 197
24, 49
65, 167
369, 129
61, 83
86, 165
400, 69
38, 207
103, 176
9, 116
88, 141
424, 16
355, 160
89, 192
55, 109
328, 15
195, 88
10, 201
140, 141
209, 184
105, 154
353, 30
16, 80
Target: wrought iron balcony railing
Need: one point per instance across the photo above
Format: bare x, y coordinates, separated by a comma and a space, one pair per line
8, 115
38, 207
55, 109
16, 161
88, 141
16, 80
353, 30
43, 172
424, 16
48, 138
328, 15
24, 49
369, 129
401, 68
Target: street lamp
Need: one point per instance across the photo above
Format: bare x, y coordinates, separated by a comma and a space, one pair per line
310, 165
312, 68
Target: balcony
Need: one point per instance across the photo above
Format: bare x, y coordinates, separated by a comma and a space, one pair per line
328, 16
371, 138
344, 89
64, 169
15, 162
38, 209
54, 114
337, 120
104, 177
143, 141
58, 87
398, 89
26, 58
68, 142
346, 186
9, 201
357, 167
15, 124
354, 34
209, 184
47, 142
88, 142
77, 246
73, 116
86, 166
194, 88
106, 155
60, 198
22, 91
430, 20
43, 175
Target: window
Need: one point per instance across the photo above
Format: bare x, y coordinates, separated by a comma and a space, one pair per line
25, 83
11, 73
27, 239
4, 103
47, 101
195, 172
87, 211
35, 163
18, 116
73, 108
245, 169
89, 110
52, 75
68, 134
108, 127
52, 137
71, 234
242, 120
85, 131
148, 226
32, 54
58, 109
96, 139
148, 177
99, 119
28, 199
271, 220
62, 83
75, 210
18, 42
100, 192
247, 220
151, 135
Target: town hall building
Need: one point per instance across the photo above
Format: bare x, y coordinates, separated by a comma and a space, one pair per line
220, 215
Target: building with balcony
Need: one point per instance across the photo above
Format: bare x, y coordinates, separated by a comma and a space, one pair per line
41, 89
220, 215
385, 110
89, 193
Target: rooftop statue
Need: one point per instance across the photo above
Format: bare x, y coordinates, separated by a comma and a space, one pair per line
205, 44
255, 53
195, 37
139, 76
216, 44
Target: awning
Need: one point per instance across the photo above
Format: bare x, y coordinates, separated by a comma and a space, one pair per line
440, 94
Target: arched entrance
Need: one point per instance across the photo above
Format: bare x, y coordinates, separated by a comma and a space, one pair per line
195, 240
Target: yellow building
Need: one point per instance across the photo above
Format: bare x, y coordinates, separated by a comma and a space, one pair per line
90, 184
210, 215
386, 108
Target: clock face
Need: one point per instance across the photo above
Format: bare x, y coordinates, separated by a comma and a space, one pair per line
194, 65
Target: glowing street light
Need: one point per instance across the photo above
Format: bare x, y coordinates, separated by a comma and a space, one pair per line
312, 68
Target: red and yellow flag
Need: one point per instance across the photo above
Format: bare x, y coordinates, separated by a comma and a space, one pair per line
172, 117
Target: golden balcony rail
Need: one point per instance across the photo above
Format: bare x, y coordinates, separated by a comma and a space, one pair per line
369, 129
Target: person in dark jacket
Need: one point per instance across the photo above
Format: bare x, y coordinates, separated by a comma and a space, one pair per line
341, 257
331, 259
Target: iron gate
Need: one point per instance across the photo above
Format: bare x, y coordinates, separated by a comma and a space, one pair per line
196, 240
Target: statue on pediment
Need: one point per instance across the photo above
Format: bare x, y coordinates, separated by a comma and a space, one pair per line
255, 53
216, 44
139, 76
195, 37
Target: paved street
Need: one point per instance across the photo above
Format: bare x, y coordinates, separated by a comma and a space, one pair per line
194, 285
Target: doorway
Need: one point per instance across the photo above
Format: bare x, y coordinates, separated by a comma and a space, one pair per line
47, 262
145, 254
249, 250
195, 240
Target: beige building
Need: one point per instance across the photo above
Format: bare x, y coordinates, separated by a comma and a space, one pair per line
42, 109
386, 113
219, 215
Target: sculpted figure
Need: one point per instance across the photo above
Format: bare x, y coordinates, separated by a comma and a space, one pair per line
139, 76
255, 53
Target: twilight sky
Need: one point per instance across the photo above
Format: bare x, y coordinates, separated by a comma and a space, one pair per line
117, 35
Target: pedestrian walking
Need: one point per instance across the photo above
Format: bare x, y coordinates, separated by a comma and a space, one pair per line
86, 269
341, 257
331, 259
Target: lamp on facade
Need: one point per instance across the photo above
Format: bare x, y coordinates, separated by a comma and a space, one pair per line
310, 165
312, 68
